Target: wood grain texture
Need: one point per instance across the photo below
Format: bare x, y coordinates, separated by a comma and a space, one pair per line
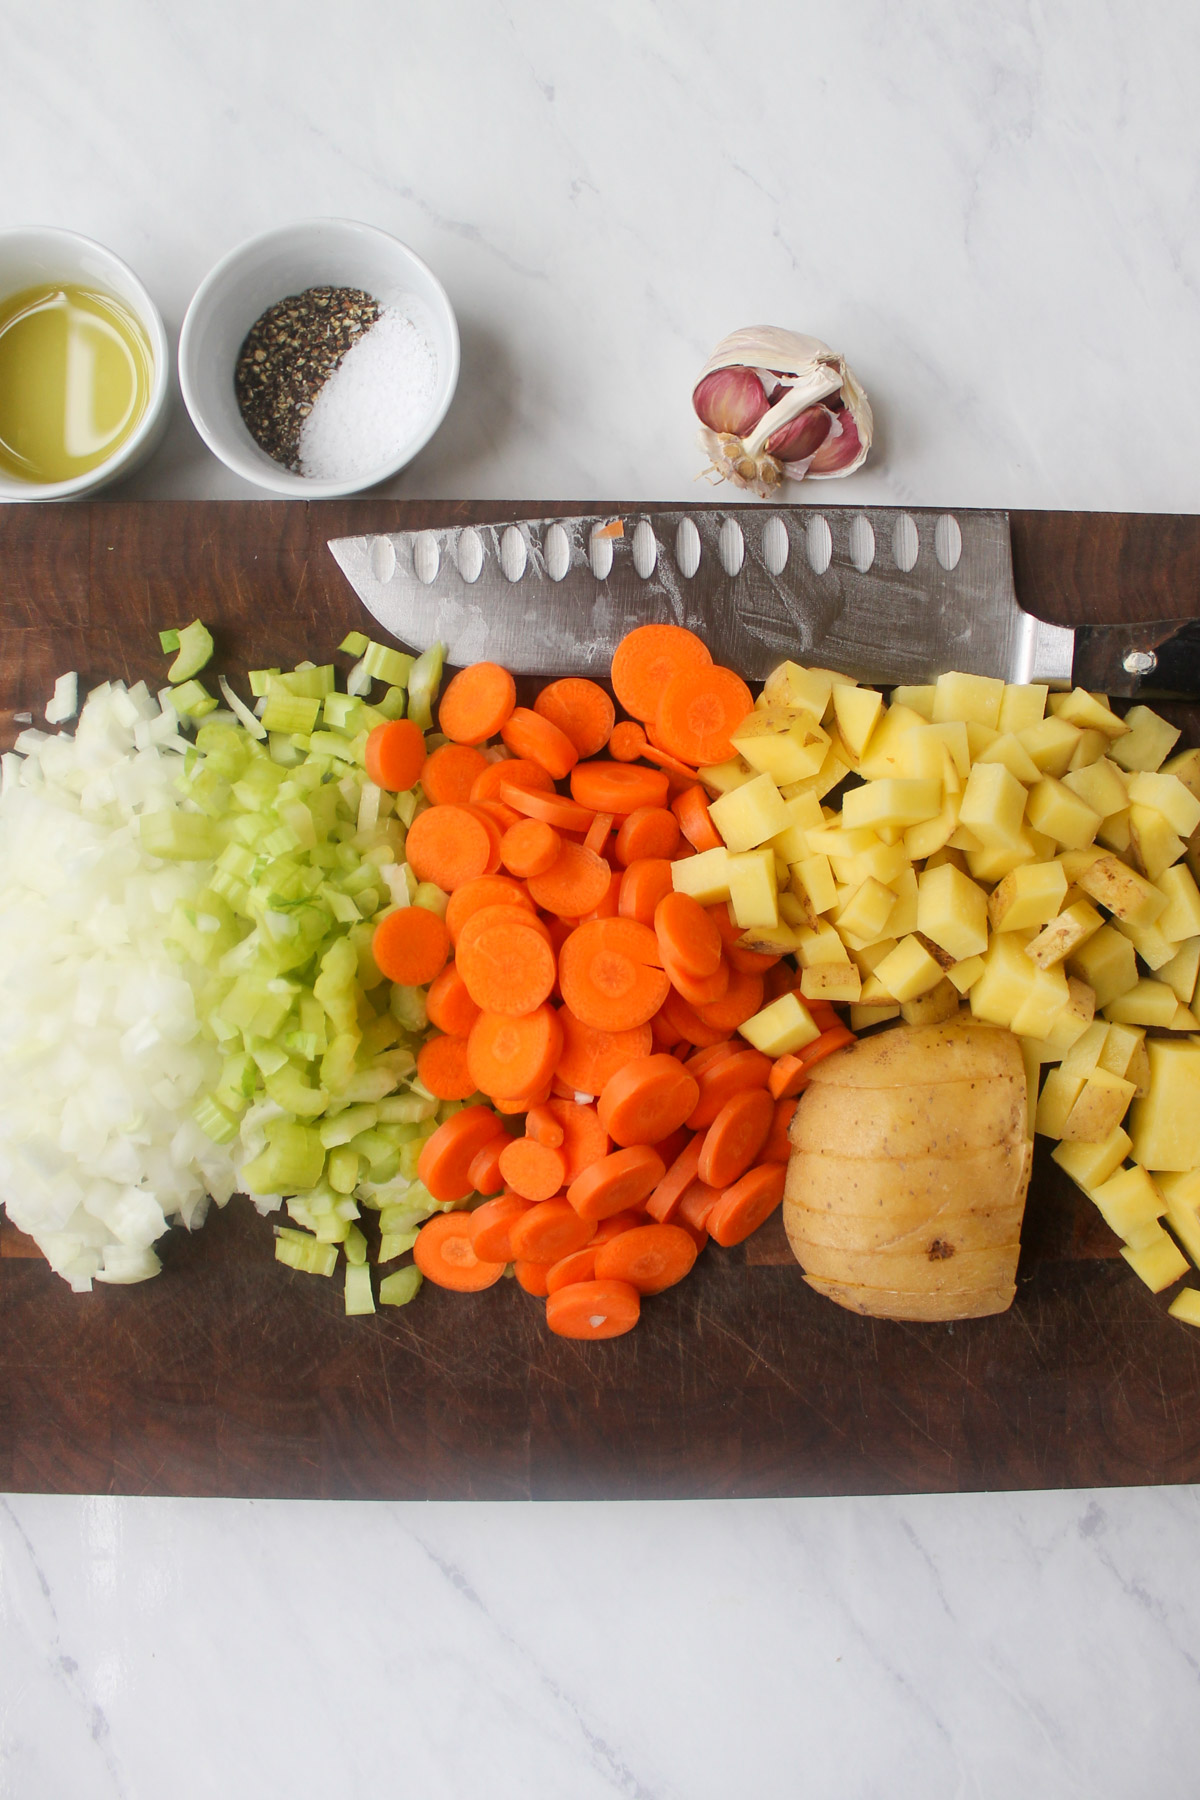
231, 1375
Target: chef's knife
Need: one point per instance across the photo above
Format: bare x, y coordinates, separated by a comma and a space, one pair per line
881, 593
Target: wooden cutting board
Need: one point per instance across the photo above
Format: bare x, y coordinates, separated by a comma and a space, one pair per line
231, 1375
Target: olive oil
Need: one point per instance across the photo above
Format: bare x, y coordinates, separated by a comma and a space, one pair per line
75, 376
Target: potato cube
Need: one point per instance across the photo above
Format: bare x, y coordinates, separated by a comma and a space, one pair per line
781, 1028
1186, 768
831, 981
892, 801
919, 699
995, 862
1185, 1020
933, 1008
1148, 741
857, 712
1154, 845
1186, 1306
1182, 1212
993, 805
704, 876
904, 918
1131, 1205
909, 971
1181, 972
753, 895
1085, 1053
1099, 786
1050, 744
1120, 1048
922, 753
751, 814
1114, 832
1009, 750
1005, 984
883, 862
1063, 934
952, 911
1023, 705
931, 835
787, 744
1072, 1022
1146, 1003
1061, 814
772, 940
834, 769
792, 685
1107, 963
1152, 946
1030, 895
882, 755
965, 974
1158, 1264
1101, 1105
866, 913
804, 815
952, 735
874, 993
1045, 999
1060, 1090
1089, 711
1091, 1164
1168, 796
1091, 747
820, 945
966, 697
863, 1017
812, 876
1181, 919
722, 778
1122, 890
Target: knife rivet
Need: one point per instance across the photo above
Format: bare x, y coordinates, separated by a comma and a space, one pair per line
1139, 662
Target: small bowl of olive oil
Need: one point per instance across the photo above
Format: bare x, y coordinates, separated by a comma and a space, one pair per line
84, 366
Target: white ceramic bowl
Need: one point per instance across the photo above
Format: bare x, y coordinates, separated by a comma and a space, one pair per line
33, 254
314, 253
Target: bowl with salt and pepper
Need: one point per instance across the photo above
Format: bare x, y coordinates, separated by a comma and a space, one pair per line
319, 358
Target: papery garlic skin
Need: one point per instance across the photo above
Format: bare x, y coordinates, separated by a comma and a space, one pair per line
799, 375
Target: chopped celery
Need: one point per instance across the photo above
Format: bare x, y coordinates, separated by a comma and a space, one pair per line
359, 1298
423, 681
408, 1008
168, 641
194, 646
406, 1109
432, 898
289, 712
342, 1126
300, 1251
355, 1245
293, 1158
193, 700
215, 1120
395, 1243
179, 836
288, 1088
353, 644
312, 681
392, 704
400, 1288
384, 664
341, 713
344, 1169
260, 681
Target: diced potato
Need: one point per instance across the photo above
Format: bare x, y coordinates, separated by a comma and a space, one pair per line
952, 735
1089, 712
784, 1026
904, 919
1114, 832
1030, 895
813, 876
1091, 1164
791, 685
832, 770
920, 699
1158, 1264
1185, 1020
1146, 1003
1186, 768
1186, 1306
1148, 741
932, 835
1107, 963
1167, 795
749, 815
909, 971
1099, 1108
1181, 972
993, 805
964, 975
863, 1017
1185, 1223
1181, 919
952, 911
831, 981
722, 778
874, 992
968, 697
1045, 999
804, 815
938, 1004
1085, 1053
1061, 814
1131, 1205
1154, 845
1060, 1090
866, 913
1122, 890
1071, 1023
795, 910
753, 894
869, 957
772, 940
997, 861
1120, 1048
1182, 1188
704, 876
1006, 981
857, 713
820, 945
830, 840
1099, 786
1064, 934
1023, 705
882, 756
922, 753
883, 862
1152, 946
892, 802
1009, 750
1051, 744
1091, 747
786, 744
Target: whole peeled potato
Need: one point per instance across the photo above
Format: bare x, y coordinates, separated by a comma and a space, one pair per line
909, 1168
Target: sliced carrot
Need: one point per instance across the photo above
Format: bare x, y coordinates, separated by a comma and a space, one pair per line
822, 1012
553, 809
686, 933
593, 1310
663, 1203
708, 1058
619, 788
535, 739
485, 890
533, 1170
484, 1173
615, 1224
750, 962
733, 1075
646, 1100
513, 1057
449, 846
521, 1103
492, 1223
687, 1023
836, 1038
697, 1233
506, 962
698, 991
442, 1068
584, 1139
743, 1207
395, 755
608, 976
698, 710
446, 1256
696, 1203
622, 1179
529, 847
549, 1230
741, 1000
445, 1161
494, 830
778, 1145
672, 1145
590, 1054
650, 1258
532, 1276
778, 980
477, 702
665, 1035
582, 711
609, 900
643, 885
505, 816
449, 774
627, 742
545, 1127
517, 772
410, 945
580, 1265
691, 810
647, 832
483, 918
788, 1077
736, 1136
597, 832
648, 658
576, 881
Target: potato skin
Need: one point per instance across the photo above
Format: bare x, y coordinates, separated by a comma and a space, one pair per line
910, 1165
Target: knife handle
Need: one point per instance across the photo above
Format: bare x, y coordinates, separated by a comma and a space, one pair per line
1160, 656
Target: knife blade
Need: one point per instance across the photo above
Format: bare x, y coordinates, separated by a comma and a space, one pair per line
882, 593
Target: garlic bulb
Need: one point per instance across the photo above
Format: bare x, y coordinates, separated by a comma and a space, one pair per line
773, 403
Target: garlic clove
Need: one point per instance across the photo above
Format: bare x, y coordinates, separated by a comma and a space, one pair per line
801, 439
730, 400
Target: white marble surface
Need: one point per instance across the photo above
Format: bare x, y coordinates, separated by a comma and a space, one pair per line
993, 211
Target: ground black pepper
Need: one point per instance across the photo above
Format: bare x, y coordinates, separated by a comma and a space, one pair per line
289, 354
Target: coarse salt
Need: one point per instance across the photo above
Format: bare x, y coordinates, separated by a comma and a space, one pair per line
381, 392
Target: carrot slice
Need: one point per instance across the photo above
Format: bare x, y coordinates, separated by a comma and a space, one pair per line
697, 710
442, 1068
665, 1035
529, 847
483, 918
395, 755
698, 991
576, 881
777, 1147
533, 1170
733, 1075
477, 702
584, 1140
647, 832
622, 1179
687, 934
607, 974
494, 830
449, 846
410, 945
516, 772
545, 1127
553, 809
445, 1161
694, 819
532, 1276
485, 890
510, 1058
590, 1054
535, 739
484, 1173
582, 711
711, 1055
646, 1100
627, 742
580, 1265
788, 1077
743, 1207
741, 1000
650, 1258
549, 1230
643, 885
610, 900
663, 1203
597, 832
648, 658
449, 774
593, 1310
507, 964
505, 816
736, 1136
687, 1023
446, 1256
615, 787
680, 775
696, 1203
492, 1223
615, 1224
